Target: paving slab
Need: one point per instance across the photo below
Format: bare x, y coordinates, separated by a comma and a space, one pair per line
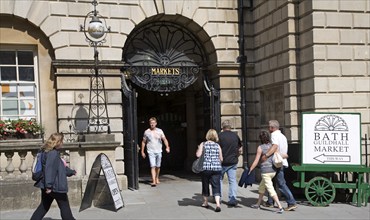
180, 198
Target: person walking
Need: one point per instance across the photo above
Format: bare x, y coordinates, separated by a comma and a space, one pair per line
267, 172
152, 139
280, 143
54, 183
211, 173
231, 149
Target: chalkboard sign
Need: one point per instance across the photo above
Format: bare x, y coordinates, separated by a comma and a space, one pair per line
102, 162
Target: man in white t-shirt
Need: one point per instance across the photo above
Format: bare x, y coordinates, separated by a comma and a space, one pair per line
280, 142
152, 139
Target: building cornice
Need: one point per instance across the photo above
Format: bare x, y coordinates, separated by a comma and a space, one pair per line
87, 64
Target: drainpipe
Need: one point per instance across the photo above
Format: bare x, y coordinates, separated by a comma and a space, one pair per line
242, 60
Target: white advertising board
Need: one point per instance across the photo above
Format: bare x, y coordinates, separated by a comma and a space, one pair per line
110, 177
331, 138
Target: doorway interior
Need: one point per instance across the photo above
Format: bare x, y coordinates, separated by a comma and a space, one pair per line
170, 111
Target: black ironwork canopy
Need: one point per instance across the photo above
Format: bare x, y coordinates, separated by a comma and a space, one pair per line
163, 57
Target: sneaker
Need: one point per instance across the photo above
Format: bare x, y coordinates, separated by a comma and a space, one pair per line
291, 207
232, 203
255, 206
280, 211
268, 205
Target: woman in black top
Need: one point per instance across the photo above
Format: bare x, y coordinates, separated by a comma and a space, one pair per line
54, 183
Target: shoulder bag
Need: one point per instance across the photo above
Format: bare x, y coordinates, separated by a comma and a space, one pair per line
197, 166
277, 159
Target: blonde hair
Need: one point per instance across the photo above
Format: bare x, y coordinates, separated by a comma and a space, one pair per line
212, 135
153, 119
54, 141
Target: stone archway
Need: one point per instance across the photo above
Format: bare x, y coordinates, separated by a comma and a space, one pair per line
167, 60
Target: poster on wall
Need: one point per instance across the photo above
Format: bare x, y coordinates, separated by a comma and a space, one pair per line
331, 138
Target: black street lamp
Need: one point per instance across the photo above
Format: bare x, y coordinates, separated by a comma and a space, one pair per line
95, 32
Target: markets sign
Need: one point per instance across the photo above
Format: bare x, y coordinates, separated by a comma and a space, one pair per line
163, 79
331, 138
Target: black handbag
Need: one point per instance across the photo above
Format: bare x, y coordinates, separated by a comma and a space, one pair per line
197, 166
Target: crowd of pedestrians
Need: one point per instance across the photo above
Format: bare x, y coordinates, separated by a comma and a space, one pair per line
220, 151
221, 157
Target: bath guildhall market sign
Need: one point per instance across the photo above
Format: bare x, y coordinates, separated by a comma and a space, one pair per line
331, 138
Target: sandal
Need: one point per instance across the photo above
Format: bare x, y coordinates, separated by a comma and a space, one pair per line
205, 205
255, 206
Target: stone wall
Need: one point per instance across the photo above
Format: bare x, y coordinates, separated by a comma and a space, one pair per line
317, 52
272, 84
21, 194
334, 57
16, 158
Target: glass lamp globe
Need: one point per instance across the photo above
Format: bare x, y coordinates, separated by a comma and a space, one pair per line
95, 28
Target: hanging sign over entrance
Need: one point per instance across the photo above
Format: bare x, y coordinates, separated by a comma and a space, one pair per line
163, 79
102, 162
163, 57
331, 138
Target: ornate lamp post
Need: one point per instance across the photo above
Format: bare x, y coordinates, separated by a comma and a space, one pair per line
95, 32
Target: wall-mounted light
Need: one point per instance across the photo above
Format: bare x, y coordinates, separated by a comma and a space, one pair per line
95, 32
96, 29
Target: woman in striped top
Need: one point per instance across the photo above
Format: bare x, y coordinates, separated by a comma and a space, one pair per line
211, 168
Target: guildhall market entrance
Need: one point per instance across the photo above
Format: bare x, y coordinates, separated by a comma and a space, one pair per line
166, 77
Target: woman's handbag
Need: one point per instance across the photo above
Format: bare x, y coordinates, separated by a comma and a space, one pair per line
197, 166
277, 159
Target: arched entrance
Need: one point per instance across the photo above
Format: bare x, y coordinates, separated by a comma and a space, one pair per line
166, 70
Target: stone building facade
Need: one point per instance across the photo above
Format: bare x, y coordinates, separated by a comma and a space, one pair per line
301, 56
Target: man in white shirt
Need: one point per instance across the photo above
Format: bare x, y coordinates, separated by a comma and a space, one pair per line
152, 139
280, 142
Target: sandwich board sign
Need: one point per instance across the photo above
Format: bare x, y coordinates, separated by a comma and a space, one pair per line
102, 163
331, 138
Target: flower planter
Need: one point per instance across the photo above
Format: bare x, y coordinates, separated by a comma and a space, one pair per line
20, 129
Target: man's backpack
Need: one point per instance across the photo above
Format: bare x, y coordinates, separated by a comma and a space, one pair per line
37, 166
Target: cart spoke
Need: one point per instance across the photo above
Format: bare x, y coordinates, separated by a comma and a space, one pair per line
319, 183
325, 197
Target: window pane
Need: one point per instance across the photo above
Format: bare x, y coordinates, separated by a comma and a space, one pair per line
8, 74
27, 107
10, 107
27, 91
26, 74
9, 91
7, 57
25, 57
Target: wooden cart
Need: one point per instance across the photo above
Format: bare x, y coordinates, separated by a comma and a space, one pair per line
321, 191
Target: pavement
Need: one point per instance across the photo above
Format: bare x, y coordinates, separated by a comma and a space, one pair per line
179, 197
